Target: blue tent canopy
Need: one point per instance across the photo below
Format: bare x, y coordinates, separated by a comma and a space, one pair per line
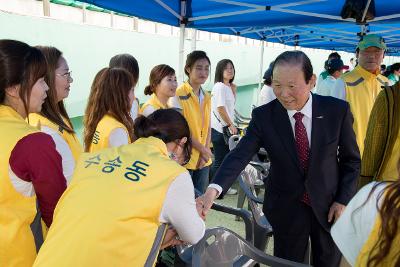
307, 23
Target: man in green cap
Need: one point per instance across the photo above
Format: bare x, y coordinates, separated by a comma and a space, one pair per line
362, 85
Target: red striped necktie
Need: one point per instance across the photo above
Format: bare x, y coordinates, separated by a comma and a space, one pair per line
302, 147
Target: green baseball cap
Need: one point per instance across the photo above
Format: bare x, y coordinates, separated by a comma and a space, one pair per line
371, 40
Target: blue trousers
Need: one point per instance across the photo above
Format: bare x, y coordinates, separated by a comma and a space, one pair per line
200, 178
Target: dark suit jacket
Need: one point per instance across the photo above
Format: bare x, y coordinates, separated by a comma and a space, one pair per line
334, 162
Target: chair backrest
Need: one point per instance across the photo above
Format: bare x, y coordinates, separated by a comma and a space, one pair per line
246, 181
233, 141
222, 247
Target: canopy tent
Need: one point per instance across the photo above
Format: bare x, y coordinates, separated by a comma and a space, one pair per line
306, 23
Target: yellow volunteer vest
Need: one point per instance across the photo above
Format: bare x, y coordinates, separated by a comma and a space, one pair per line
103, 130
36, 119
362, 88
17, 212
366, 250
109, 215
154, 102
198, 118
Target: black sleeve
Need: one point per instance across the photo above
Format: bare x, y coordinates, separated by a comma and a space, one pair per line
237, 159
349, 160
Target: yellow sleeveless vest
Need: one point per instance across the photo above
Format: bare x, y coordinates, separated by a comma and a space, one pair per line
362, 88
153, 101
109, 215
36, 119
365, 252
103, 130
17, 212
198, 118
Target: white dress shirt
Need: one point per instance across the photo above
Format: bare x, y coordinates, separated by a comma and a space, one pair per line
307, 121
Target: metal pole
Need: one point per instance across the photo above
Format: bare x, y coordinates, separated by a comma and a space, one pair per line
46, 8
84, 13
194, 39
181, 51
261, 64
365, 10
112, 19
135, 24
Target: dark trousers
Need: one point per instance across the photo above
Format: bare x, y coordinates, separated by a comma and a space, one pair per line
291, 237
220, 151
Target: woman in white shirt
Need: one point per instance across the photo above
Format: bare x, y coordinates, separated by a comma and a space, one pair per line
267, 93
223, 97
368, 232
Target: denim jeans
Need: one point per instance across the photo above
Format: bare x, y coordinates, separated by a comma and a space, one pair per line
220, 150
200, 178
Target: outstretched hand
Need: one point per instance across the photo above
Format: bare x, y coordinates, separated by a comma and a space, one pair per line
204, 202
335, 211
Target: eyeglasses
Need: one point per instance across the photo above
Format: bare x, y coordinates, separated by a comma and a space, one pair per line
66, 75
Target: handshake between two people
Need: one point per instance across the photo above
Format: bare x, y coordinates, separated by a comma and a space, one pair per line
205, 201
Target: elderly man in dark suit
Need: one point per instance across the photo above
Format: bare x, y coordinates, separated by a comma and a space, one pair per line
315, 162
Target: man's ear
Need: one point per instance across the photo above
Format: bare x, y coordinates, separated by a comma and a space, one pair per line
13, 91
313, 81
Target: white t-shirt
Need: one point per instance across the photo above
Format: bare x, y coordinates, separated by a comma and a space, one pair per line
68, 161
118, 137
148, 110
135, 109
221, 96
266, 95
327, 87
353, 229
340, 89
179, 210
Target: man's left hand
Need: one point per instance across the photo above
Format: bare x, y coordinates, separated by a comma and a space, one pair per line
335, 211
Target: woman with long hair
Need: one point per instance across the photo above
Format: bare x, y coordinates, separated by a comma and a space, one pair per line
31, 174
141, 187
195, 104
108, 122
129, 63
162, 86
53, 119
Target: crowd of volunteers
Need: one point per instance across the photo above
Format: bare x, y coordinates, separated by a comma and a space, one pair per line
127, 190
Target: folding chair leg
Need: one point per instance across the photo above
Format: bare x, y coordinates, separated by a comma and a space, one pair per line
240, 202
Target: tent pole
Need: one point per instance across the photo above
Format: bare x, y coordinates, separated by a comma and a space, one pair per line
46, 8
261, 65
181, 51
194, 39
